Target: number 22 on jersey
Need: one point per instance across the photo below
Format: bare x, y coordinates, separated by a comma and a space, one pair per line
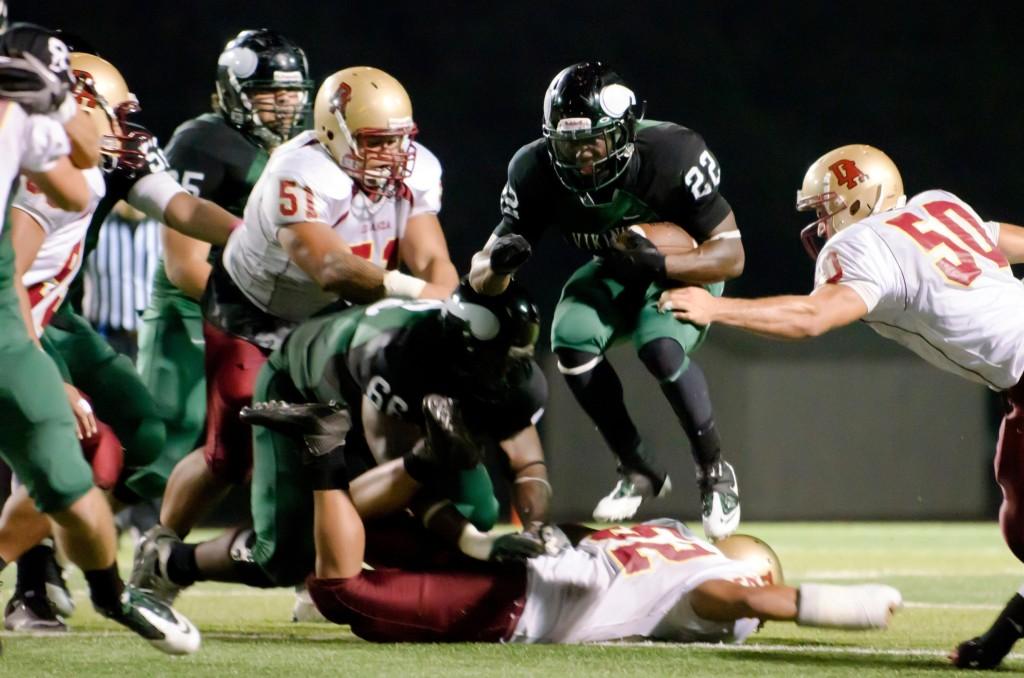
953, 238
633, 548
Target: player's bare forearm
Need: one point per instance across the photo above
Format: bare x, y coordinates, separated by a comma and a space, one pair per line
185, 261
727, 601
483, 279
85, 141
199, 218
424, 252
339, 535
350, 277
714, 261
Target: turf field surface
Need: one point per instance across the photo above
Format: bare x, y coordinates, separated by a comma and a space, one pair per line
954, 577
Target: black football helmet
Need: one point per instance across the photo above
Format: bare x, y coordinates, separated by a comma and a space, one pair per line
490, 334
590, 117
263, 60
34, 68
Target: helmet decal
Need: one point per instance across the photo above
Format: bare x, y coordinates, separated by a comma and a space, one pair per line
616, 99
847, 173
483, 323
241, 60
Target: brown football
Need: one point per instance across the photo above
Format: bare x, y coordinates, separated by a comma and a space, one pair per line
668, 237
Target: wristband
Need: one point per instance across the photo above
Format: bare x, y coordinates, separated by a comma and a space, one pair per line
398, 284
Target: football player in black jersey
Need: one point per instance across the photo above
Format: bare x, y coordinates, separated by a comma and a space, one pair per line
424, 382
599, 169
262, 99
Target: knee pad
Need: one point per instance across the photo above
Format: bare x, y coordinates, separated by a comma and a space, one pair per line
574, 363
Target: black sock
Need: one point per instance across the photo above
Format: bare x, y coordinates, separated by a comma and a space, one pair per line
105, 587
599, 393
686, 390
1007, 629
32, 568
181, 564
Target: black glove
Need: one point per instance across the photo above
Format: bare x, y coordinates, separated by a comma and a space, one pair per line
508, 253
516, 546
449, 444
634, 257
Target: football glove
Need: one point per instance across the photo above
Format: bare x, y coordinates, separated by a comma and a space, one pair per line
516, 546
508, 253
632, 256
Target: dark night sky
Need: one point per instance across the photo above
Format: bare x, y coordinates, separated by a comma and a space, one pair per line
770, 86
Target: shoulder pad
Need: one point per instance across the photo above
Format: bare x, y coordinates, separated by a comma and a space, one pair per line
426, 172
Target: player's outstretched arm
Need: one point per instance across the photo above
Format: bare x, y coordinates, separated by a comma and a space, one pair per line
199, 218
531, 491
868, 606
782, 317
1011, 242
186, 261
492, 267
720, 257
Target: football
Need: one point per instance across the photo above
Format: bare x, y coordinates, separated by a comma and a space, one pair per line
668, 237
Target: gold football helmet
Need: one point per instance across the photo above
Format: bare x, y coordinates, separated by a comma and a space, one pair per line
844, 186
364, 118
753, 550
103, 95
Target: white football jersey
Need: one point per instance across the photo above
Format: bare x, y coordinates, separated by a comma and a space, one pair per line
301, 182
60, 256
933, 280
27, 142
629, 583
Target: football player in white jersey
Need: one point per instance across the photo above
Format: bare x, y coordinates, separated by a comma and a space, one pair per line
37, 428
335, 212
655, 580
927, 272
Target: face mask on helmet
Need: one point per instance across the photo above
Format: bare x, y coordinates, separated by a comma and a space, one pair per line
590, 124
491, 335
263, 86
381, 159
102, 94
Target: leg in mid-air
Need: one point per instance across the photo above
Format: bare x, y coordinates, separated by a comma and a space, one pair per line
987, 650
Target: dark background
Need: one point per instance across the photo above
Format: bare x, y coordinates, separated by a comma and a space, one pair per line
769, 85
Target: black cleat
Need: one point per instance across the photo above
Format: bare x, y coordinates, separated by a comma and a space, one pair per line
449, 443
321, 426
974, 654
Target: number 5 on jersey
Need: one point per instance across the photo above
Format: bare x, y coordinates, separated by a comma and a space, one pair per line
290, 195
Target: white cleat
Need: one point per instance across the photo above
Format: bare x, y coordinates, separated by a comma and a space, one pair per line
305, 609
624, 500
719, 500
165, 628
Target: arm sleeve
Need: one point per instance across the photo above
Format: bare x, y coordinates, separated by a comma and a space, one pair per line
151, 193
45, 143
860, 260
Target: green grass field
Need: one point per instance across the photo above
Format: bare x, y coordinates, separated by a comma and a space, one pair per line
954, 578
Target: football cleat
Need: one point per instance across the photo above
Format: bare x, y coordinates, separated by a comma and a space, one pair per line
149, 569
32, 612
304, 609
322, 426
625, 498
449, 444
719, 499
164, 627
57, 589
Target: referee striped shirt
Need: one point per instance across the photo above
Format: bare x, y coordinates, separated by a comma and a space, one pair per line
119, 273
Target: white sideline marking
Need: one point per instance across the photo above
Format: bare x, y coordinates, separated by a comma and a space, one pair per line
889, 572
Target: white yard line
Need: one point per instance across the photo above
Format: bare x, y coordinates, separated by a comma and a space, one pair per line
891, 572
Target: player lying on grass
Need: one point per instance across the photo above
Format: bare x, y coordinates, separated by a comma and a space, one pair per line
383, 361
930, 274
654, 580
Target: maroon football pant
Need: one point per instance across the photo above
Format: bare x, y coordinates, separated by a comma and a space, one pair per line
394, 606
1009, 465
232, 364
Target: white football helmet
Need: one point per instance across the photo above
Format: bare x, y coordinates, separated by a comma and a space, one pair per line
364, 118
844, 186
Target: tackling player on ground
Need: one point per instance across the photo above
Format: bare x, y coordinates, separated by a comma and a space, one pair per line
467, 359
928, 273
600, 169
